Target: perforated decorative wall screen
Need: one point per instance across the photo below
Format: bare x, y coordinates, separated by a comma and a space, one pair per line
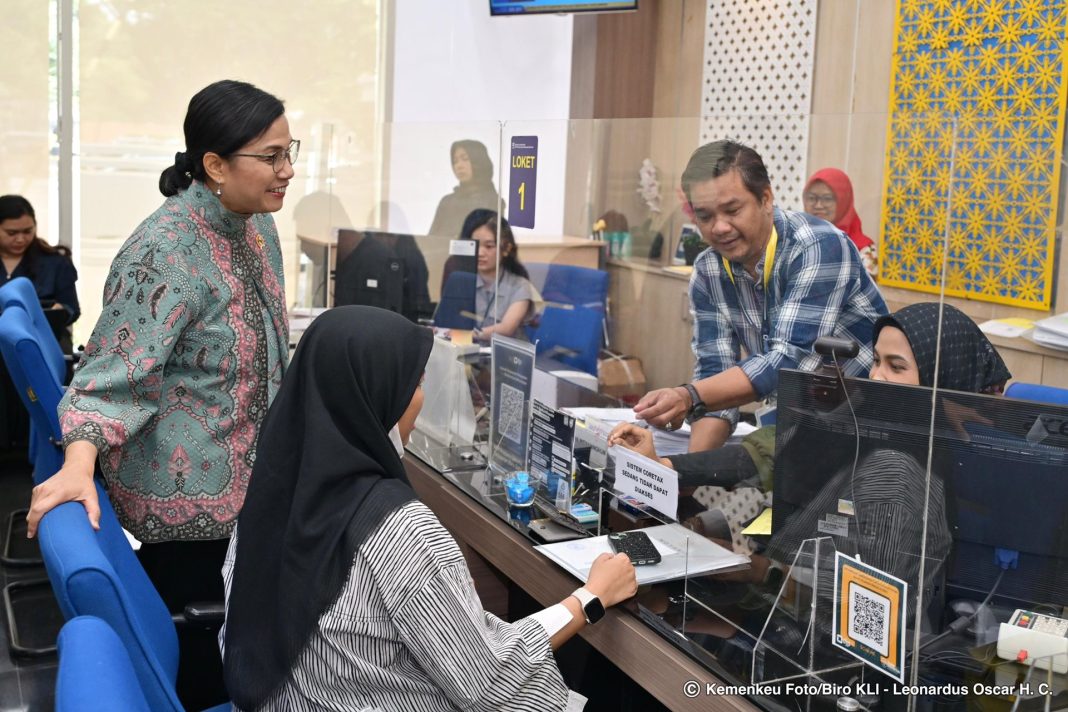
758, 84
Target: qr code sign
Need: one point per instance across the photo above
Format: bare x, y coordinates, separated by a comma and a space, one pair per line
510, 419
869, 618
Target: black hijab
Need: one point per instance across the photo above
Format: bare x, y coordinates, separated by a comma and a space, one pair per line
968, 362
481, 165
326, 474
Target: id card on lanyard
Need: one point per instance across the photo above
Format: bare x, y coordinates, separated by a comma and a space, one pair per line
765, 415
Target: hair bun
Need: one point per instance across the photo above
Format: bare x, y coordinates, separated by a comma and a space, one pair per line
182, 163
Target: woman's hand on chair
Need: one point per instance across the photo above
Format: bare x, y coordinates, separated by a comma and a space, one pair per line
73, 483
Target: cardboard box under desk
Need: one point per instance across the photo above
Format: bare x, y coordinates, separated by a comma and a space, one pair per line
621, 377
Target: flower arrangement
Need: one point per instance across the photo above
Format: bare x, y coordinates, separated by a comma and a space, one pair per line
649, 186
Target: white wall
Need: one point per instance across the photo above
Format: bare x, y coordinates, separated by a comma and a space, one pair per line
458, 73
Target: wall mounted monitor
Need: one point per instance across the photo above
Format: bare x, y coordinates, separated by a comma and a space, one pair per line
535, 7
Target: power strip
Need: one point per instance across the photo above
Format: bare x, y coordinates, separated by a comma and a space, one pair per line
1031, 637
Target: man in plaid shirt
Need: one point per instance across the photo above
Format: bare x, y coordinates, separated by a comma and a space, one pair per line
773, 282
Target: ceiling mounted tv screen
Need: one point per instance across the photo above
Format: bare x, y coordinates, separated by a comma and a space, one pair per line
536, 7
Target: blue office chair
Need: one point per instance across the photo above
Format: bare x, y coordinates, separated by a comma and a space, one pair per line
1036, 392
40, 392
38, 382
457, 298
21, 292
97, 573
571, 336
573, 286
95, 673
578, 286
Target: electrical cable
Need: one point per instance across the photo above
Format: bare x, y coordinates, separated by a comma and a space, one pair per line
962, 622
856, 431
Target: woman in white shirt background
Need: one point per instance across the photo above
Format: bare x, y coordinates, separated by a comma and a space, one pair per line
343, 590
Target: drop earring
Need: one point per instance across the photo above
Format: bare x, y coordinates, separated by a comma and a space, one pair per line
218, 191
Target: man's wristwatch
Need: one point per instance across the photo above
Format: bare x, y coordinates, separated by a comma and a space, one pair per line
592, 608
697, 406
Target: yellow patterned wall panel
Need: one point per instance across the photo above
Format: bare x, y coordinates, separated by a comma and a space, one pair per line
977, 102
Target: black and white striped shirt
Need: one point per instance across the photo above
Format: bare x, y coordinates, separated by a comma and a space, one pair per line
408, 633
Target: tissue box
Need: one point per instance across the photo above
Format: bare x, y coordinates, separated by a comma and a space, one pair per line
621, 377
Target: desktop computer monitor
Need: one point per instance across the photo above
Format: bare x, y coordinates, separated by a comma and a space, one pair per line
459, 280
381, 269
1001, 466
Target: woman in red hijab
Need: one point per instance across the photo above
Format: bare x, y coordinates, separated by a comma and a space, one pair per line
829, 195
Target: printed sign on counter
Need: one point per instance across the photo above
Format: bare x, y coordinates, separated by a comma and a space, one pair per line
523, 181
869, 615
513, 369
647, 481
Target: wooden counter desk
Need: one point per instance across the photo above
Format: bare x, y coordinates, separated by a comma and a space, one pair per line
631, 645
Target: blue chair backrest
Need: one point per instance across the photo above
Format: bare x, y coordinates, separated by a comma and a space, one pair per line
458, 295
20, 291
95, 673
1036, 392
571, 336
578, 286
37, 385
97, 573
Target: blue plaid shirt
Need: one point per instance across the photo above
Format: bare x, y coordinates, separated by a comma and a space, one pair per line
819, 287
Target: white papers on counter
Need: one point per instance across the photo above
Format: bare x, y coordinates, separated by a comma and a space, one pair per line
1052, 332
683, 553
666, 442
1009, 328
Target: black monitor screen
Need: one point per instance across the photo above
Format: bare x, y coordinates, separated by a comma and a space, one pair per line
381, 269
999, 466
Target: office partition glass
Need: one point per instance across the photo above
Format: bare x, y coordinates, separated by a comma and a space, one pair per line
129, 130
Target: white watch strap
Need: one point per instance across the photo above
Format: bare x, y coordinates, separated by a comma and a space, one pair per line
583, 595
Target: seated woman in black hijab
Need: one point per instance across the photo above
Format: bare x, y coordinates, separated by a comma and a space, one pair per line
343, 590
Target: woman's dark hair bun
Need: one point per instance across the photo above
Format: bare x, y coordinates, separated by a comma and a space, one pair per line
221, 118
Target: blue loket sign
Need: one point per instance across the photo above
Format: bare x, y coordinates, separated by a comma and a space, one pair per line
523, 181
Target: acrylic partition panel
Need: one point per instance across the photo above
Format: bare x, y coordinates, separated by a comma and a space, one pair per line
868, 577
129, 131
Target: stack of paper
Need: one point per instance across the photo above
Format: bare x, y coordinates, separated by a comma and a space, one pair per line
683, 553
671, 442
666, 442
1052, 332
1009, 328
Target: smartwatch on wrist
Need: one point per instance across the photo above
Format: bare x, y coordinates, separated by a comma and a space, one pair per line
592, 608
697, 406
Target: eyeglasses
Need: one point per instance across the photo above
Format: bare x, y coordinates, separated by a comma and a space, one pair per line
278, 158
817, 199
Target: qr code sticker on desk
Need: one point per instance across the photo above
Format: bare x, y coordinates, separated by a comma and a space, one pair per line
869, 618
510, 419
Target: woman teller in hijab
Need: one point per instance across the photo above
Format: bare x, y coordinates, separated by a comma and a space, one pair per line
829, 195
344, 591
473, 169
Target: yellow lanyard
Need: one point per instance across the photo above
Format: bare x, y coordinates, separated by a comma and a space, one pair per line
769, 260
